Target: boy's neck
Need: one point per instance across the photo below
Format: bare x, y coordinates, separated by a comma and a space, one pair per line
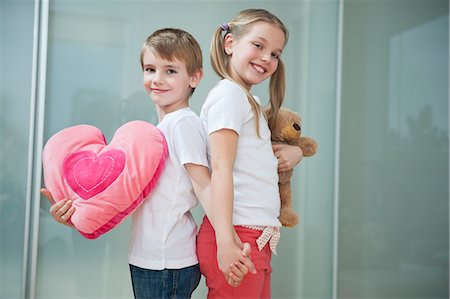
163, 111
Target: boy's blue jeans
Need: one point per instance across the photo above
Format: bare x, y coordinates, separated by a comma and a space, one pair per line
164, 284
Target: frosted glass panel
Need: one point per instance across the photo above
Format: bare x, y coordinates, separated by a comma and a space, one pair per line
94, 77
16, 45
394, 198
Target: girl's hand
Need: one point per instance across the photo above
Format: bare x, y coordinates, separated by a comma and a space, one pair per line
246, 252
233, 263
288, 156
237, 273
239, 270
60, 211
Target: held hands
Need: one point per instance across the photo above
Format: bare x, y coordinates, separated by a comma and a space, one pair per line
288, 156
60, 211
234, 261
238, 270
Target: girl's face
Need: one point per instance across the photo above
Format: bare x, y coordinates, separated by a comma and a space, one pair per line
168, 82
254, 56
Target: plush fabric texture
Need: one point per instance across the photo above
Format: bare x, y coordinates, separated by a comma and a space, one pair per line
106, 182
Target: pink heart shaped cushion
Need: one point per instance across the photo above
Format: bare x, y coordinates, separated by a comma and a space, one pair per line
106, 182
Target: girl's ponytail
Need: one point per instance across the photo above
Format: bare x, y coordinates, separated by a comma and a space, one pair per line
218, 56
277, 88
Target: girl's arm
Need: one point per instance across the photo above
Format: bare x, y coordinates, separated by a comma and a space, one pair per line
223, 155
201, 181
288, 156
200, 178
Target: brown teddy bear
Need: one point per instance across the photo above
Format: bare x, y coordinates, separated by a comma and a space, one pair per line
287, 130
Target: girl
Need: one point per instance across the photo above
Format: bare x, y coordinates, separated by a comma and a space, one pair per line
244, 179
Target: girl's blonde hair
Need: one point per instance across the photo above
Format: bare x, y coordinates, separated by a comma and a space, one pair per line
174, 44
238, 27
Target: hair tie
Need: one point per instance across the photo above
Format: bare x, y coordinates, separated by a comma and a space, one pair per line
225, 27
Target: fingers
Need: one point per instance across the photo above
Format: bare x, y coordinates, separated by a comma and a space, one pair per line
235, 263
68, 214
62, 211
60, 207
246, 250
276, 146
232, 280
239, 270
236, 274
46, 193
282, 167
249, 264
287, 155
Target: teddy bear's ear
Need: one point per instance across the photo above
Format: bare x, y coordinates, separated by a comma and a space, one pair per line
289, 110
294, 112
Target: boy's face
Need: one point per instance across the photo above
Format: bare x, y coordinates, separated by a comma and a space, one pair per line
168, 82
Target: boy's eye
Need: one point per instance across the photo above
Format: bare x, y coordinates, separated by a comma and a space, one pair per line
171, 71
149, 69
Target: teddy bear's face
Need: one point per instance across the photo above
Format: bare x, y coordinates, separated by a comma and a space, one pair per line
287, 129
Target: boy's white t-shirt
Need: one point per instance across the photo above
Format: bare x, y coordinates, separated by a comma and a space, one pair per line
255, 176
163, 229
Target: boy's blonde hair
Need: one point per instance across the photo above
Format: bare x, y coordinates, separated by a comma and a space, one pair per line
174, 44
238, 27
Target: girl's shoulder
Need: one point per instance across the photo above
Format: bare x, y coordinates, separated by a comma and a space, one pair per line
228, 89
228, 86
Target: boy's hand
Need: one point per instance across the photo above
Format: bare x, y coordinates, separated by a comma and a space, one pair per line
240, 268
60, 211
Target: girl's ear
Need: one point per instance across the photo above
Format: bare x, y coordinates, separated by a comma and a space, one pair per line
228, 44
196, 78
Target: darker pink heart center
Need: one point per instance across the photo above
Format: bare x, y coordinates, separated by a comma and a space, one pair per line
89, 175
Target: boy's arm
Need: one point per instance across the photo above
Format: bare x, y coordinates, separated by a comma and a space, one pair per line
201, 179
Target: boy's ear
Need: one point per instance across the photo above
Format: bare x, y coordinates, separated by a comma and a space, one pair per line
196, 78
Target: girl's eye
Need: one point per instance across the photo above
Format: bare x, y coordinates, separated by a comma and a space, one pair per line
259, 46
275, 55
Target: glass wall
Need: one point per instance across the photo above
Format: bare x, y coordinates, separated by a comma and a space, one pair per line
16, 48
394, 179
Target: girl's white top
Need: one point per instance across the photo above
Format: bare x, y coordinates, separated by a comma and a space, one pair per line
163, 229
255, 176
